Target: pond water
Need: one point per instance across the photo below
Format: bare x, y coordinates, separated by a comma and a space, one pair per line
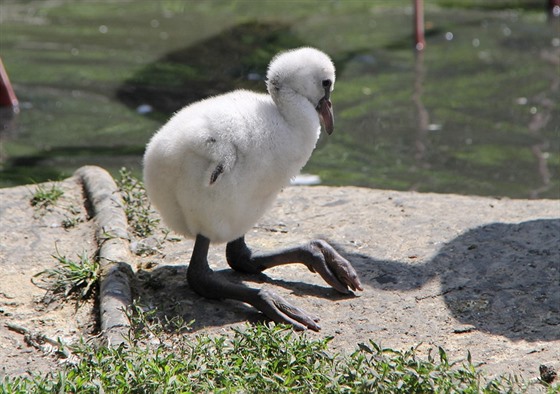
477, 112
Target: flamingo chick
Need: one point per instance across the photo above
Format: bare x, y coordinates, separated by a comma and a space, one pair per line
218, 164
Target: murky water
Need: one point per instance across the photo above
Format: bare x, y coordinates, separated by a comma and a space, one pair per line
476, 113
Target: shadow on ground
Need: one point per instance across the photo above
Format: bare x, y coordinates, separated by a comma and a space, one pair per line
503, 279
165, 289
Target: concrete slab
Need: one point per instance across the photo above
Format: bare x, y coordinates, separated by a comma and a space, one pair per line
465, 273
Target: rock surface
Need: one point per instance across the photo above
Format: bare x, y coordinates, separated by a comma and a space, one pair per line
465, 273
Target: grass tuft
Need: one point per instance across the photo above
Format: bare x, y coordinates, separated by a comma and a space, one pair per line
137, 206
45, 197
72, 276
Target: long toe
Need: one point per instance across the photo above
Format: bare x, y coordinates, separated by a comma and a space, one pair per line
334, 269
281, 311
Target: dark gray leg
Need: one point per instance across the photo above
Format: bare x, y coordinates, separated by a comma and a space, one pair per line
317, 255
205, 282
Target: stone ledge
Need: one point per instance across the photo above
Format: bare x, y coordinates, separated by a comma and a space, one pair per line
461, 272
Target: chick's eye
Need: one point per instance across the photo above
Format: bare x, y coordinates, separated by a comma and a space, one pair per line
327, 83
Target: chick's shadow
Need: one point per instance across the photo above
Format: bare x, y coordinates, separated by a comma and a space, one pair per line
166, 291
503, 279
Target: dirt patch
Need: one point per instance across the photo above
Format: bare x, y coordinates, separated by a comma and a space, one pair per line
465, 273
29, 237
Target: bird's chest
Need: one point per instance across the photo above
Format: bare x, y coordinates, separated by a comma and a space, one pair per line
282, 157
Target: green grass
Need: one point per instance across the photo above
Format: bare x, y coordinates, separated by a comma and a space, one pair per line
44, 196
163, 357
143, 223
72, 219
137, 207
256, 359
71, 276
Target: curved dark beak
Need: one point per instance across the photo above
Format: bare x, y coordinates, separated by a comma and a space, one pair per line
324, 108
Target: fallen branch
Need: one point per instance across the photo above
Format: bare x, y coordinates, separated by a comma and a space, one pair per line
41, 341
